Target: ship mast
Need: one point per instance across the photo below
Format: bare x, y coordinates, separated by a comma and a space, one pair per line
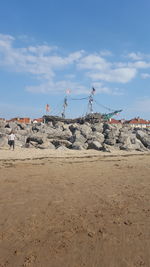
90, 102
65, 104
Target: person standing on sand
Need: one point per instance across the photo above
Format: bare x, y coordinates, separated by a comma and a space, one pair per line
11, 140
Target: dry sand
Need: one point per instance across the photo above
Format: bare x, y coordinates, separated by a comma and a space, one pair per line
73, 209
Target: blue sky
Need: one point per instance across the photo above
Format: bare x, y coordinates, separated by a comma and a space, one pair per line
48, 46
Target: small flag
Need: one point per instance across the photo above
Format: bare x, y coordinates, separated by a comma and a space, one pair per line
68, 91
47, 108
93, 90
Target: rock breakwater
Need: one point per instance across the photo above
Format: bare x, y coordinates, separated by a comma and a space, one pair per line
62, 136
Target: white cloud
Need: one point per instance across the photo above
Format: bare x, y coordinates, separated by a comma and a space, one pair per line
37, 60
44, 62
58, 87
101, 69
145, 75
106, 53
40, 49
51, 87
135, 56
139, 64
120, 75
5, 41
94, 62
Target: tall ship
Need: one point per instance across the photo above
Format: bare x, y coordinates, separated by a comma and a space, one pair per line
89, 116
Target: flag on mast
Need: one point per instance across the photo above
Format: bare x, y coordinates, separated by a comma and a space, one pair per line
47, 108
68, 91
93, 90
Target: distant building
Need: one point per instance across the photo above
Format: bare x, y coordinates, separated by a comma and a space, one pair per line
20, 120
113, 121
2, 119
38, 120
138, 123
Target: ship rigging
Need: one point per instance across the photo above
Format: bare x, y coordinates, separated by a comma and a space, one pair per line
89, 115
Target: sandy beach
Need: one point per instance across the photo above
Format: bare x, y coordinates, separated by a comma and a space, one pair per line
74, 208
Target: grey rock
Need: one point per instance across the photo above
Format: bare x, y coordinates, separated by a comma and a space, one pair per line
106, 148
78, 137
35, 128
46, 145
22, 126
22, 132
12, 125
57, 143
74, 127
58, 125
2, 124
110, 141
97, 136
54, 133
144, 137
132, 143
94, 145
7, 130
108, 126
62, 148
3, 141
98, 127
79, 146
85, 130
34, 139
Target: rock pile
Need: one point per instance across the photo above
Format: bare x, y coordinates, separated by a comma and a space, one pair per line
58, 135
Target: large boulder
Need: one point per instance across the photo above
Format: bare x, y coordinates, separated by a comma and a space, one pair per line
96, 136
144, 137
5, 131
46, 145
111, 136
12, 125
110, 127
132, 143
34, 139
60, 134
74, 127
85, 130
3, 141
58, 124
97, 127
94, 145
77, 137
35, 129
22, 126
57, 143
79, 146
111, 133
78, 141
2, 123
23, 132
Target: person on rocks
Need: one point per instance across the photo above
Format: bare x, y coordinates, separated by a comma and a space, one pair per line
11, 140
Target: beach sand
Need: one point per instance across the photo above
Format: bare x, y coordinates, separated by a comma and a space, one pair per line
74, 208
